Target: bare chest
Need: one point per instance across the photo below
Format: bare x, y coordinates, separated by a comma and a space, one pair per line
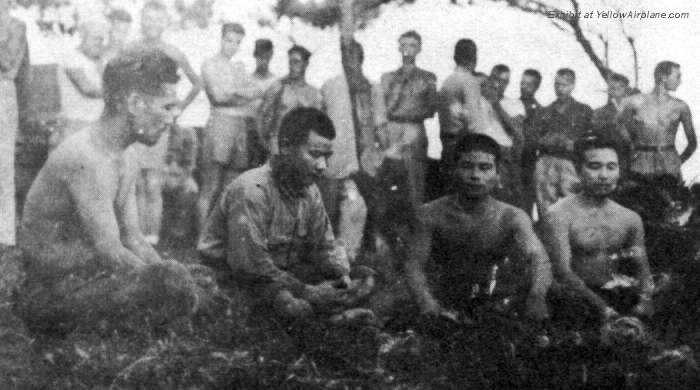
595, 234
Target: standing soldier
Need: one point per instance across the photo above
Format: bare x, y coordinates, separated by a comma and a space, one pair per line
286, 94
529, 84
410, 97
263, 77
563, 122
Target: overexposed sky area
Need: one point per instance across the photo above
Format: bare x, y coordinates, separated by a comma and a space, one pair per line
503, 35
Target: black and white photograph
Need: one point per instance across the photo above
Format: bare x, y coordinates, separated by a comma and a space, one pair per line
349, 194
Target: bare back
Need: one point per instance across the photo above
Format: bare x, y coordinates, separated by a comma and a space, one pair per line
53, 232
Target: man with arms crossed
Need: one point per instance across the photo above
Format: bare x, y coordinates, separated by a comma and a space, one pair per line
461, 236
588, 234
225, 145
651, 121
81, 83
85, 256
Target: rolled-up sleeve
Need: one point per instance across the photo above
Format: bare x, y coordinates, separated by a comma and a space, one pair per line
247, 249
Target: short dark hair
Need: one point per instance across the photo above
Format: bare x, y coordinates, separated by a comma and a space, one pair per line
465, 52
411, 34
619, 78
535, 74
664, 68
567, 72
480, 142
119, 15
138, 69
262, 46
298, 123
232, 27
499, 69
303, 52
597, 139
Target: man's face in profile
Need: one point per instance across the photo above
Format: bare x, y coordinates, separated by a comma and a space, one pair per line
600, 171
154, 115
476, 173
312, 157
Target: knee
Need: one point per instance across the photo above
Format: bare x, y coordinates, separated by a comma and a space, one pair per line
168, 288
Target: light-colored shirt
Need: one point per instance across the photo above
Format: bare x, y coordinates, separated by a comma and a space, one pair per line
261, 233
337, 105
459, 102
75, 105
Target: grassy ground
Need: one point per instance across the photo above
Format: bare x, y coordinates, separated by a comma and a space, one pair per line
229, 347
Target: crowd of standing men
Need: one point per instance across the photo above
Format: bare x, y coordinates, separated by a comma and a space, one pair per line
278, 201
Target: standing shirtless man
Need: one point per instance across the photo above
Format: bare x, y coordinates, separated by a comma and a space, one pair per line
587, 233
652, 123
84, 255
230, 91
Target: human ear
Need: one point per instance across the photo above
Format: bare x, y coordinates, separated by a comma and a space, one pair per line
135, 103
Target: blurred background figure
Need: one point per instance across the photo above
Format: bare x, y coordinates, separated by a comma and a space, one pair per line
262, 76
154, 21
14, 63
119, 29
80, 76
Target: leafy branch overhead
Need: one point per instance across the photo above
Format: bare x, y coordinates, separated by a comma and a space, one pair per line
325, 13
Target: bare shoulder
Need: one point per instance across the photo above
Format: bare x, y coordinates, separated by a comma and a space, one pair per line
74, 152
511, 215
680, 104
626, 216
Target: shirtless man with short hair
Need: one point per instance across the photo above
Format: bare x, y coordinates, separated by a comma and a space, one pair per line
85, 256
460, 237
230, 91
586, 234
651, 121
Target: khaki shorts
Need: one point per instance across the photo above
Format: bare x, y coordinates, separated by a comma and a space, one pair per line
226, 141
